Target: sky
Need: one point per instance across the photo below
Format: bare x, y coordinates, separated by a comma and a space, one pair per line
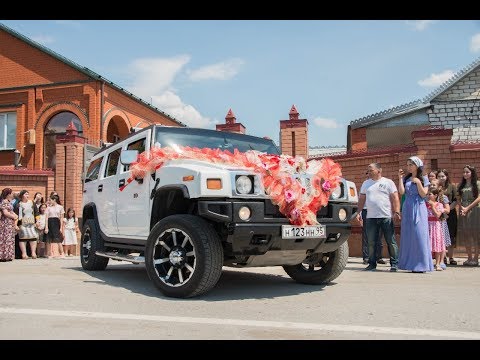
333, 71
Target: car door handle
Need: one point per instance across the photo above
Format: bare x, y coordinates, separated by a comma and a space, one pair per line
100, 188
121, 182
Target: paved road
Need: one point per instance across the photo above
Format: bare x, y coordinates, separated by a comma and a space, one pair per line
56, 299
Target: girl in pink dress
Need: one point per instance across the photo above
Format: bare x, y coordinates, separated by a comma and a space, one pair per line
435, 211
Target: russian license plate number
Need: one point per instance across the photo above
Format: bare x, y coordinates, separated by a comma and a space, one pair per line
303, 232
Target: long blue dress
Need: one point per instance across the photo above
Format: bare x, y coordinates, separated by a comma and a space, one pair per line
415, 252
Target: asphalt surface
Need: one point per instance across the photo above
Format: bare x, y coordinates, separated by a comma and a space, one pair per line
57, 299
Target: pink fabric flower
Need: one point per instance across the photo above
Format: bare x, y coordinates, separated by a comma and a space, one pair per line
326, 186
289, 195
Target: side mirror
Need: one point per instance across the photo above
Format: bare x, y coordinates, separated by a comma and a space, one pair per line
128, 156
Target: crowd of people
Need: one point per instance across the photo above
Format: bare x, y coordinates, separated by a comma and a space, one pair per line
35, 225
435, 216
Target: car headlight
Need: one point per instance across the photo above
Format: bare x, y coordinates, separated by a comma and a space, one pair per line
243, 184
337, 192
244, 213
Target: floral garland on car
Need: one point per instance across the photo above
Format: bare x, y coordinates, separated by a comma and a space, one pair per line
293, 200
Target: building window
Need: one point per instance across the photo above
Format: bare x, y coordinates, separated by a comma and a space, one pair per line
57, 125
8, 130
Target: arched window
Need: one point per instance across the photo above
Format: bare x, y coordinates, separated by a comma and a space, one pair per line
57, 126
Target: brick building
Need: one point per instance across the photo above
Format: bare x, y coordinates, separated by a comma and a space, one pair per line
41, 94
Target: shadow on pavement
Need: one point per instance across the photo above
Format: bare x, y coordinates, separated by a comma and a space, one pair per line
233, 284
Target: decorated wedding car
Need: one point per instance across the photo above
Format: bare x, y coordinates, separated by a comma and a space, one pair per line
186, 202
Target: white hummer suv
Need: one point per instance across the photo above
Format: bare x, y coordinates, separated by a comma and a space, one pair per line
185, 232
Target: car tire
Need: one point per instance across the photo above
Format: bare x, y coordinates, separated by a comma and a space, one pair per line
183, 256
320, 269
90, 243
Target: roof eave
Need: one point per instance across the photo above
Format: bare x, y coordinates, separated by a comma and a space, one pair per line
377, 119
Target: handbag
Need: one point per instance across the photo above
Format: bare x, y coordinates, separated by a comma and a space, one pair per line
30, 220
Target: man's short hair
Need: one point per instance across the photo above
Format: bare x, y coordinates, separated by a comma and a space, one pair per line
377, 165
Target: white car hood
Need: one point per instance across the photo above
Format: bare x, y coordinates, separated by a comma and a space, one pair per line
198, 165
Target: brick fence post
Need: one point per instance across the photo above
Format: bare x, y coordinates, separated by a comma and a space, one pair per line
68, 173
433, 147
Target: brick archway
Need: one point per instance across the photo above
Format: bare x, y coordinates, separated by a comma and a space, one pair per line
115, 118
117, 129
45, 117
55, 108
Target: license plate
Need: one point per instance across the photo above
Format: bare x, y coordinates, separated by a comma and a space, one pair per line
303, 232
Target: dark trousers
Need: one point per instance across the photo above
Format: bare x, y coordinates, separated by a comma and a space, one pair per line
378, 245
388, 229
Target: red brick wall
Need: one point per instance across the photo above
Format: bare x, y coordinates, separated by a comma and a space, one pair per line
33, 181
133, 112
24, 65
7, 157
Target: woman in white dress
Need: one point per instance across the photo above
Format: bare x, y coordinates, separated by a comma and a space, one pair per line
70, 236
27, 231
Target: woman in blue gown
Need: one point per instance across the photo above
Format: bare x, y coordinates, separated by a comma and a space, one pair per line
415, 252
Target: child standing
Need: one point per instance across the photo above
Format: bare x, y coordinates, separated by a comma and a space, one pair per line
435, 184
71, 227
40, 225
435, 211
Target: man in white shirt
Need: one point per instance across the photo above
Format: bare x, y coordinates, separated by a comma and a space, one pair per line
380, 196
378, 247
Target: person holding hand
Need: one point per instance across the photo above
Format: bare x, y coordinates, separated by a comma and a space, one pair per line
415, 252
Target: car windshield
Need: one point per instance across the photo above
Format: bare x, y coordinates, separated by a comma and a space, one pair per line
204, 138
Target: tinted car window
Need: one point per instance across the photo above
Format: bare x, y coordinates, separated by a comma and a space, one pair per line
203, 138
112, 163
93, 170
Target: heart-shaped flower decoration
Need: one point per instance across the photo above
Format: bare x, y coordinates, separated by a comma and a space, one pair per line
281, 176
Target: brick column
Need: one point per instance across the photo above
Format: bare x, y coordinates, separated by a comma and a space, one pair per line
68, 173
231, 124
359, 139
294, 135
434, 147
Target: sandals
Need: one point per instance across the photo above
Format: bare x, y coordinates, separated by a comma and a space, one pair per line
438, 268
470, 263
452, 261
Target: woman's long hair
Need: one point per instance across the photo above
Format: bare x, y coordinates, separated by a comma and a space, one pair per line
419, 175
5, 193
473, 180
56, 198
20, 196
68, 212
447, 182
35, 196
